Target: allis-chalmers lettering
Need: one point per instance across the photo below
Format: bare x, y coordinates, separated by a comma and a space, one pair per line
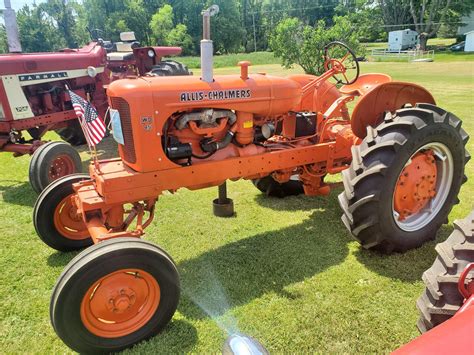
216, 95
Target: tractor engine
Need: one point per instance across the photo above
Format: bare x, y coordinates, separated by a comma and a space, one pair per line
164, 123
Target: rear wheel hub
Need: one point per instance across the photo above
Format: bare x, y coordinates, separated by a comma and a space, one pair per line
416, 185
423, 186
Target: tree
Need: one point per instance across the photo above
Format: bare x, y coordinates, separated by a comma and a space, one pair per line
395, 13
107, 16
161, 24
137, 18
429, 15
226, 28
366, 19
62, 14
297, 43
37, 31
179, 36
3, 40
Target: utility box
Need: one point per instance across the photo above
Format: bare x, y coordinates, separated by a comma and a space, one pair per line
402, 40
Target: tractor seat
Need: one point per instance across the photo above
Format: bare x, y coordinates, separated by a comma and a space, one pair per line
364, 84
119, 56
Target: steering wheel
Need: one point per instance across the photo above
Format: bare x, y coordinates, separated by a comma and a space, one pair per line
95, 33
339, 57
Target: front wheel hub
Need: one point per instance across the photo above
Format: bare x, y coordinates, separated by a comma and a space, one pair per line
120, 303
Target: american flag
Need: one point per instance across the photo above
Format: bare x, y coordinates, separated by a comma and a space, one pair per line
91, 123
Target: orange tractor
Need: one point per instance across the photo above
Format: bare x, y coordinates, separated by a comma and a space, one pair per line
402, 161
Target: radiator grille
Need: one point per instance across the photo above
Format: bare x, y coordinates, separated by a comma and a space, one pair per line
125, 119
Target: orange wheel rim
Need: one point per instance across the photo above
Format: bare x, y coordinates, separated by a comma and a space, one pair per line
120, 303
416, 185
61, 166
67, 222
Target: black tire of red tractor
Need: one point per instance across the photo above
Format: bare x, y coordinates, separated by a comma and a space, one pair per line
441, 298
100, 260
272, 188
32, 169
43, 158
72, 133
170, 68
370, 181
43, 214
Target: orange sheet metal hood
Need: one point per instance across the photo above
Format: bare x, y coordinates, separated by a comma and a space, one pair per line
152, 100
259, 94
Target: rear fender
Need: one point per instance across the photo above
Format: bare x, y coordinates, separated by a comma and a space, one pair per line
386, 97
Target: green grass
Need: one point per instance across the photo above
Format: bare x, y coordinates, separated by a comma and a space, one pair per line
229, 60
263, 58
285, 271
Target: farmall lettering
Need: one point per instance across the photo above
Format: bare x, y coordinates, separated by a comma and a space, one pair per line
42, 76
216, 95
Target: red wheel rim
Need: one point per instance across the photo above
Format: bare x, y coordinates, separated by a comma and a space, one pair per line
62, 165
120, 303
416, 185
67, 221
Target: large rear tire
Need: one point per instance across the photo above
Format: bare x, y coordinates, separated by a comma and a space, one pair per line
55, 218
404, 178
113, 295
169, 68
72, 133
441, 298
52, 161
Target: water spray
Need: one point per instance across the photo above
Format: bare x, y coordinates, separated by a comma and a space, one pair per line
241, 344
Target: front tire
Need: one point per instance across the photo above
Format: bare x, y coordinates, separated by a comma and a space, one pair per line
113, 295
441, 298
404, 179
52, 161
55, 218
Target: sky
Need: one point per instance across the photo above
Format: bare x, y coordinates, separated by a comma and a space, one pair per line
18, 4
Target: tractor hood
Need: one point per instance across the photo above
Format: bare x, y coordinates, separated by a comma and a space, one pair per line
259, 94
145, 104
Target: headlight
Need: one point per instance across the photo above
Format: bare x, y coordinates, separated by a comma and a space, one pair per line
91, 71
151, 53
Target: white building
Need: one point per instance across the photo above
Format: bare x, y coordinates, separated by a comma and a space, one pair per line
469, 44
401, 40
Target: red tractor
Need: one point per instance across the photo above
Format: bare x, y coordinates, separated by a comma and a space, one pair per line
447, 304
34, 100
402, 161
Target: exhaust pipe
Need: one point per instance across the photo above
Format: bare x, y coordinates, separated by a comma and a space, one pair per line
207, 48
11, 28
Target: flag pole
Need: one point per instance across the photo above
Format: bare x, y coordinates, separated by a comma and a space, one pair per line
94, 157
81, 120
